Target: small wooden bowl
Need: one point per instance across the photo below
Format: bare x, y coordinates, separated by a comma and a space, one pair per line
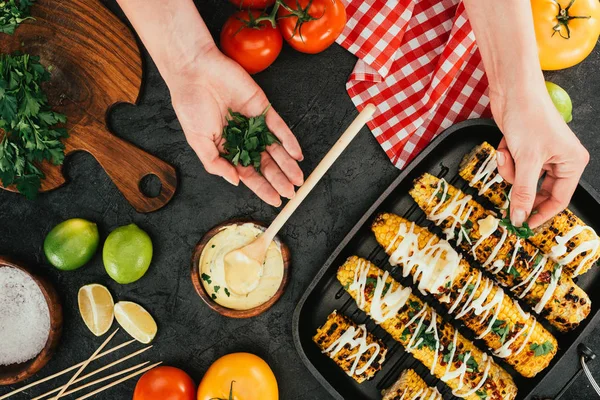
13, 373
228, 312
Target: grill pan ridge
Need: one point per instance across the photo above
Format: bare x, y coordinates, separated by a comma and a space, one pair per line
441, 158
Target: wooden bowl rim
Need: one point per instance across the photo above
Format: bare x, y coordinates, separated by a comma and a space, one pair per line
228, 312
31, 367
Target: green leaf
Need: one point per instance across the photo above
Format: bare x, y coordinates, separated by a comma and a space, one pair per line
541, 349
206, 278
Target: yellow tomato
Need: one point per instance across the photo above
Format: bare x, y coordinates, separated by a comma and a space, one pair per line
566, 31
244, 375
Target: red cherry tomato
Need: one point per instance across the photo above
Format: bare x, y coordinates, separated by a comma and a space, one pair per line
254, 48
254, 4
165, 383
314, 26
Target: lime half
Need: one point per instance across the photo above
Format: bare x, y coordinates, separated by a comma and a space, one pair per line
561, 101
71, 244
127, 254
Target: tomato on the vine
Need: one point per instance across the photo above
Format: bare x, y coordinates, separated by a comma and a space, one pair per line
254, 4
254, 45
165, 383
311, 26
566, 31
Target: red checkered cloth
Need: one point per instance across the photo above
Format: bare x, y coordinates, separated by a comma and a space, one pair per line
418, 63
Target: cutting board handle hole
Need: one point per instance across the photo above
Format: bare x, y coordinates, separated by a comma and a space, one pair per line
150, 186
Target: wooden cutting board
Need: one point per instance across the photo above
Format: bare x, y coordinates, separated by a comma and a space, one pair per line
96, 64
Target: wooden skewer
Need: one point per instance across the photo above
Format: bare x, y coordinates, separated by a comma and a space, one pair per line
141, 371
64, 371
105, 378
96, 372
85, 364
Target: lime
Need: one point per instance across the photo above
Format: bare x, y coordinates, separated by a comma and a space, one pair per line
71, 244
127, 253
561, 100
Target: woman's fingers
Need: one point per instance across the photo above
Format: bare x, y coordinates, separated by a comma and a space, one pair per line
280, 129
527, 172
275, 176
506, 164
213, 162
556, 194
259, 185
287, 164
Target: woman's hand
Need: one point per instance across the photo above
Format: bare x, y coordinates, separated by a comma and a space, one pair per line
202, 95
536, 141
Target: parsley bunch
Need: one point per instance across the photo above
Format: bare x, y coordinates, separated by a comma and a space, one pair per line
27, 124
12, 13
246, 138
524, 232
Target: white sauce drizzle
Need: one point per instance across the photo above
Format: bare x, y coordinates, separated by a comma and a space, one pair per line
531, 278
527, 338
481, 382
484, 172
563, 256
349, 337
549, 292
432, 270
505, 351
383, 306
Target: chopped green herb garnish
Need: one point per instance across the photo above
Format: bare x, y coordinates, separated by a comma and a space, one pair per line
471, 363
246, 138
12, 13
524, 232
556, 271
227, 292
405, 334
206, 277
439, 194
470, 288
446, 357
541, 349
214, 296
427, 338
371, 281
386, 288
501, 328
513, 271
482, 394
216, 288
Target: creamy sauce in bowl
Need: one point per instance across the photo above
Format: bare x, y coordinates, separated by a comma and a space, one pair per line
212, 268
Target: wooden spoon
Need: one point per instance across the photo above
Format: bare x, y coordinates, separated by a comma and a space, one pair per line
244, 266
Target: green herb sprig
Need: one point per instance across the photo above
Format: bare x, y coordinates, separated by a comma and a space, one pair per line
541, 349
27, 124
246, 138
13, 13
230, 394
524, 232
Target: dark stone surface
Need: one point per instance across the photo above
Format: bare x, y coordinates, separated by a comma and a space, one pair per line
309, 92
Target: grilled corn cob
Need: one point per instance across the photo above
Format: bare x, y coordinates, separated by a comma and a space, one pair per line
515, 263
470, 297
356, 351
410, 386
471, 373
565, 237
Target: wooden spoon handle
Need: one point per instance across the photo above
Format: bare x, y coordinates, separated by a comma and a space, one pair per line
126, 165
314, 178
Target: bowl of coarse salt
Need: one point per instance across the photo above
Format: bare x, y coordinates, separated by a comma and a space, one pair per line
30, 322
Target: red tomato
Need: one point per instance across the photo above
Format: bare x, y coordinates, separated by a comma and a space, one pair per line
255, 4
165, 383
254, 48
314, 26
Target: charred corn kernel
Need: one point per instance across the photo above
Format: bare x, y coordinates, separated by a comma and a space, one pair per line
515, 263
351, 347
470, 373
565, 238
477, 301
410, 386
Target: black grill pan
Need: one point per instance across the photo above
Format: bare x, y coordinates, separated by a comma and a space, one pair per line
325, 294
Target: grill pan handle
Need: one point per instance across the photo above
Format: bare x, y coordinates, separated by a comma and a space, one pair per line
585, 355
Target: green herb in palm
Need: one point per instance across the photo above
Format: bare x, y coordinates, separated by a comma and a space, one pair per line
27, 124
246, 138
13, 13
